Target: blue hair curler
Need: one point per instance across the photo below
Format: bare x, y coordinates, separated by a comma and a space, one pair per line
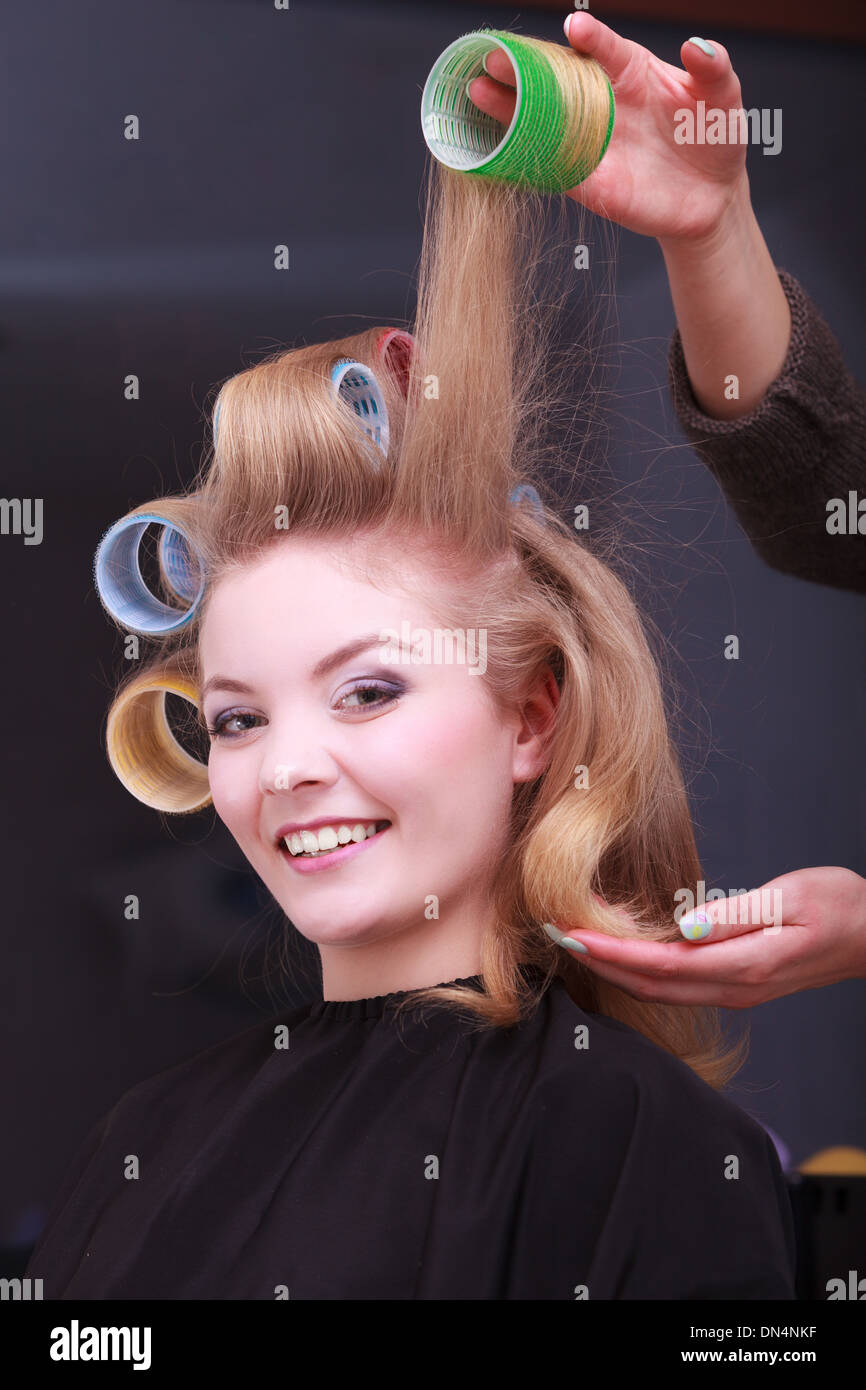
528, 492
178, 568
120, 584
357, 386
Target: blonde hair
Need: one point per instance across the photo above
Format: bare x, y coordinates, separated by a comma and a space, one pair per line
468, 411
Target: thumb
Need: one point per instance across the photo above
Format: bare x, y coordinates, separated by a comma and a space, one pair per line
722, 918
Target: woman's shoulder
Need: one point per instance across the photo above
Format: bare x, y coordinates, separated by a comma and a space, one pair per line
592, 1059
681, 1190
168, 1111
212, 1076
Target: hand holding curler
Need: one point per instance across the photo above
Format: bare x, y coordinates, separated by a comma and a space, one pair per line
647, 182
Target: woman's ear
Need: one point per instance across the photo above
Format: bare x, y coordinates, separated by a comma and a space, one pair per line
538, 721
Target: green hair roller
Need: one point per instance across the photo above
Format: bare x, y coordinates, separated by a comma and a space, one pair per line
542, 148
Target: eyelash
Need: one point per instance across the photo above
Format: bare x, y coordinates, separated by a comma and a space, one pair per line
217, 729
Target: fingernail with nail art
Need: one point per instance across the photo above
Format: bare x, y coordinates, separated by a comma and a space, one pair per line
695, 925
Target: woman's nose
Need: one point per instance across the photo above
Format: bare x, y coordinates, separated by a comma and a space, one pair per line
293, 757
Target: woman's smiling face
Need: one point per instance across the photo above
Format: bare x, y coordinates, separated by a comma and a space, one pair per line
419, 745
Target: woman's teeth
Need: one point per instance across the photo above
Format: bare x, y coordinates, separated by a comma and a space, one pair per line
330, 837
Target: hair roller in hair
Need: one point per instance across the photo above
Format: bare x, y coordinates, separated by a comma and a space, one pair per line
396, 348
357, 386
563, 114
121, 586
180, 572
525, 492
143, 751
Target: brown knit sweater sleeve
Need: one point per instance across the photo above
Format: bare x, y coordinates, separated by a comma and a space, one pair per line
803, 444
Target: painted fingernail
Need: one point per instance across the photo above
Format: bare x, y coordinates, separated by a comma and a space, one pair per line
704, 47
566, 23
562, 940
695, 925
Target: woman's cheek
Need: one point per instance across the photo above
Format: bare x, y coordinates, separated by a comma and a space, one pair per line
227, 791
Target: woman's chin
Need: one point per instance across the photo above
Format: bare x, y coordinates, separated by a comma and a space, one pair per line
342, 930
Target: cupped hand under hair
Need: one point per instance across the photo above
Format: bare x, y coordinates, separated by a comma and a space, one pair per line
760, 946
646, 181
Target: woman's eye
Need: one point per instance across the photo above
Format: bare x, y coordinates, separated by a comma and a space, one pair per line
219, 725
385, 693
382, 695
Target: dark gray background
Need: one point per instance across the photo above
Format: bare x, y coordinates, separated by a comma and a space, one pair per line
155, 257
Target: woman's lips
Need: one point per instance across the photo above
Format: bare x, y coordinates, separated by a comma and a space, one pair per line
316, 864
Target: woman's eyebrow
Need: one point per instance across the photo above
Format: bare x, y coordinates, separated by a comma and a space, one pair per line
322, 668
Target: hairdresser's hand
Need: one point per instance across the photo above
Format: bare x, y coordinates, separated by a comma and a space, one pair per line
820, 939
646, 181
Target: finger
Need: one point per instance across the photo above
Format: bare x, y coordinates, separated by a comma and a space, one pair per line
498, 64
492, 98
722, 918
719, 919
718, 963
586, 34
650, 989
711, 74
707, 67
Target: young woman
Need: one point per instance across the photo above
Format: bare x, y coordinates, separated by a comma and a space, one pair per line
436, 726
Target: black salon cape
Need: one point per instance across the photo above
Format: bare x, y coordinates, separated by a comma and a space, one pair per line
374, 1159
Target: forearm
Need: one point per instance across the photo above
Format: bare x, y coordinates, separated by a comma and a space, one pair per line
731, 310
